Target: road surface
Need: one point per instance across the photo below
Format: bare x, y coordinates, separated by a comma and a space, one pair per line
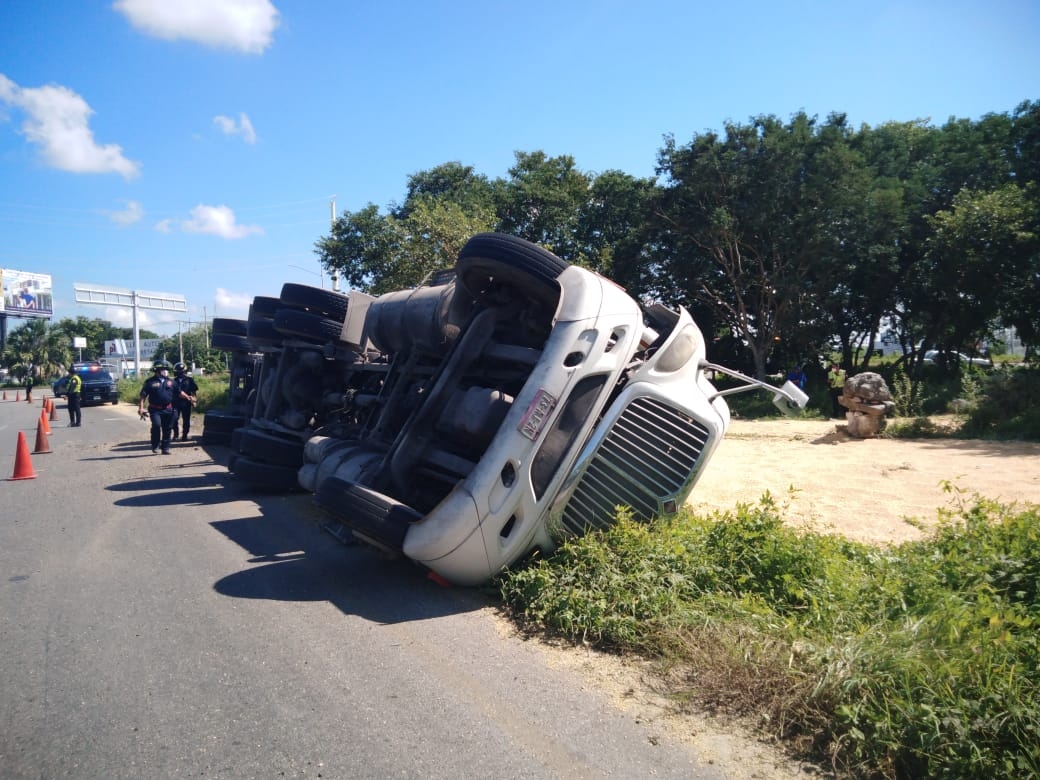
158, 619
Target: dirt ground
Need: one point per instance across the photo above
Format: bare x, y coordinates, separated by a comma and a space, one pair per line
864, 489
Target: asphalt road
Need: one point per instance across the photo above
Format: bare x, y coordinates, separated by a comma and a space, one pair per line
159, 619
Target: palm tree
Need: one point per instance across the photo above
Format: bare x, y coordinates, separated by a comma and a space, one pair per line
35, 347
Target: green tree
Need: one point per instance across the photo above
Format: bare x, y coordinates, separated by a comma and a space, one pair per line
612, 228
857, 223
37, 347
980, 254
731, 222
378, 253
542, 200
191, 347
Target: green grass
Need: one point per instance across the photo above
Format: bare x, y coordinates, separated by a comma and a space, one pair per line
909, 661
213, 391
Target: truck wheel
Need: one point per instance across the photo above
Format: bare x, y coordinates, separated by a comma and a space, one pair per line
330, 303
496, 261
268, 447
262, 333
219, 426
373, 517
226, 325
230, 342
307, 326
264, 307
221, 421
265, 476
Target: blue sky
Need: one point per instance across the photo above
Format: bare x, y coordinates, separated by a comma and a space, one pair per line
194, 147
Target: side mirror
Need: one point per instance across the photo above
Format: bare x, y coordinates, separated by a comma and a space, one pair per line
790, 399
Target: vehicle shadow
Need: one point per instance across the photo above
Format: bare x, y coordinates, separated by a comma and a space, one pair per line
296, 551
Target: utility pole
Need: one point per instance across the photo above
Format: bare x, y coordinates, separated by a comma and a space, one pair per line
332, 215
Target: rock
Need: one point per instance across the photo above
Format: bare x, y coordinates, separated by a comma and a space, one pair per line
868, 400
867, 386
864, 426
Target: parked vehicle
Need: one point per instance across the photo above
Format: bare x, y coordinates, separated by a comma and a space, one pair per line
493, 411
934, 357
99, 387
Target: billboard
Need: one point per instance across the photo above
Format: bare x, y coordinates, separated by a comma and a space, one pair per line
26, 294
124, 348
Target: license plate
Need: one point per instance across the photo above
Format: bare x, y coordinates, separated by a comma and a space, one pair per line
537, 414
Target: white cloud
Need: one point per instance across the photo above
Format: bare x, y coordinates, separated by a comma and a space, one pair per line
128, 216
57, 121
243, 127
217, 221
244, 25
164, 226
231, 303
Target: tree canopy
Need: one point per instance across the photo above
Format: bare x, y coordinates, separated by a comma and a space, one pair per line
786, 239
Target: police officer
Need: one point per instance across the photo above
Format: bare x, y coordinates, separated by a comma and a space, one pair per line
159, 392
836, 385
185, 401
73, 395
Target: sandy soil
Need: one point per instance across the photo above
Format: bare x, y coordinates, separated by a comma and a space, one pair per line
864, 489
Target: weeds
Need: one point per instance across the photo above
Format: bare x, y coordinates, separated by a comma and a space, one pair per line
909, 661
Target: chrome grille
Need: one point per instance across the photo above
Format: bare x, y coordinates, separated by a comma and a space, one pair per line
646, 457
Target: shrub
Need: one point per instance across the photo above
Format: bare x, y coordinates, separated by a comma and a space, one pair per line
921, 660
1009, 406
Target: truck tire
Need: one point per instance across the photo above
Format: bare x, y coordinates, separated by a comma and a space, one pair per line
227, 325
305, 325
223, 421
329, 303
230, 342
261, 332
265, 476
494, 260
270, 448
218, 426
264, 307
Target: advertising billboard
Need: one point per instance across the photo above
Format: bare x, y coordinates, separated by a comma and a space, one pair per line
26, 294
124, 348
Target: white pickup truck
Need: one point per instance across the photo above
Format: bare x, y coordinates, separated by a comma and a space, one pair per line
500, 407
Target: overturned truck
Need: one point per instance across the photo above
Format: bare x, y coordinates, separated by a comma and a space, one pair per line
499, 407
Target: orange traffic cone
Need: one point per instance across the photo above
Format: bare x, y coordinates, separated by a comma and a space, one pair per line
43, 444
54, 412
22, 461
5, 395
18, 395
43, 421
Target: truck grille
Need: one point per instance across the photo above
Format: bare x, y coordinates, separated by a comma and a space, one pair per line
646, 457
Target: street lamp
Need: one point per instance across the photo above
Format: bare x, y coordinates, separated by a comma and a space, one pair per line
321, 276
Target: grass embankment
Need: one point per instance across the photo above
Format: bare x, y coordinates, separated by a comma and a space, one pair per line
213, 391
921, 660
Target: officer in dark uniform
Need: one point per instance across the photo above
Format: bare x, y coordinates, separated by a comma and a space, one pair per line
158, 392
185, 401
